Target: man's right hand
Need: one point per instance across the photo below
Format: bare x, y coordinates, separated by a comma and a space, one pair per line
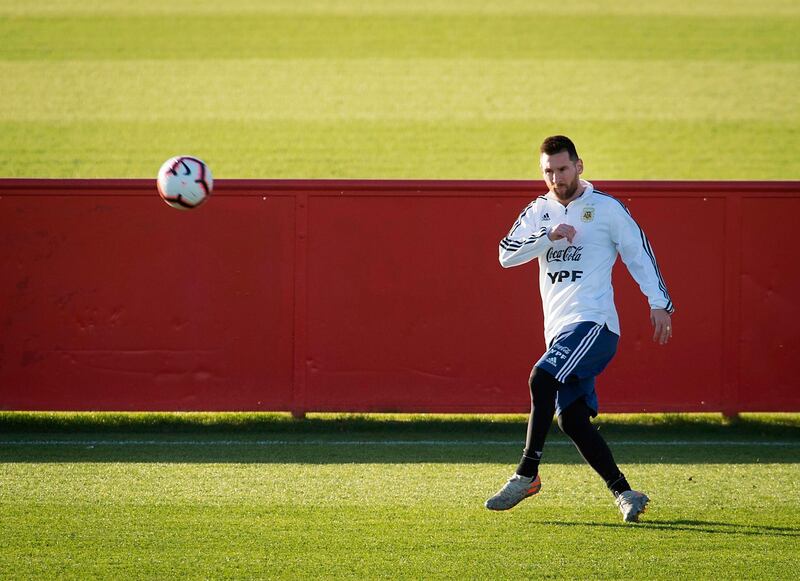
562, 231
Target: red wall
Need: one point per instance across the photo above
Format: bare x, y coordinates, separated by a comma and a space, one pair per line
372, 296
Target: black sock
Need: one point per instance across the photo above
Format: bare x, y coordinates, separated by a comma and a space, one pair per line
619, 485
529, 464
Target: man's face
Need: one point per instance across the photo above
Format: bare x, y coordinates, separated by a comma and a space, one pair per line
561, 174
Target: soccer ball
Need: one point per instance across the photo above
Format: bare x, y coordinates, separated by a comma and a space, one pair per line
184, 182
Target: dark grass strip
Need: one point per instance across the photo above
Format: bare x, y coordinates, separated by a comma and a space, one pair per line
502, 427
661, 37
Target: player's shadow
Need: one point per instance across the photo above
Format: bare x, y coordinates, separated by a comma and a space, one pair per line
695, 526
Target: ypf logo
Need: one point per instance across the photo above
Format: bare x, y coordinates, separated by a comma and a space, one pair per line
565, 275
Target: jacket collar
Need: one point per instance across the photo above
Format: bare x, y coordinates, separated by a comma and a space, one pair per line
588, 192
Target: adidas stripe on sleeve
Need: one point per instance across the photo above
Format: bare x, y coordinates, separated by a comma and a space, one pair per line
637, 254
526, 240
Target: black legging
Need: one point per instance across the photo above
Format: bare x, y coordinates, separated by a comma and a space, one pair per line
543, 406
575, 422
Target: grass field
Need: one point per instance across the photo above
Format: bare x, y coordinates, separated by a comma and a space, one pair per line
252, 496
354, 88
687, 89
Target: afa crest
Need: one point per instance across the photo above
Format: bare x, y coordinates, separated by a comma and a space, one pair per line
588, 214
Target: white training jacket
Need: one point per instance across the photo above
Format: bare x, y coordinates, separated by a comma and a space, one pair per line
575, 278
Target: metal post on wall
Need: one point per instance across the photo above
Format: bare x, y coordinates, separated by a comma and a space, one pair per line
732, 301
300, 306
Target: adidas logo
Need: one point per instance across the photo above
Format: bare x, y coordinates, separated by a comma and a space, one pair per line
545, 217
552, 360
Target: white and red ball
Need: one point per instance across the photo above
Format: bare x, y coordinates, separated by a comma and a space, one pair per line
184, 182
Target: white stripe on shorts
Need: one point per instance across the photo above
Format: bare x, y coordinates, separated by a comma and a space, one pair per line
584, 346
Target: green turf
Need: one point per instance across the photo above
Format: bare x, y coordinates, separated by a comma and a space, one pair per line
644, 426
416, 89
399, 36
327, 89
255, 496
693, 150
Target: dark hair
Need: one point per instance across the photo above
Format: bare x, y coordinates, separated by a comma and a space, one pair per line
558, 143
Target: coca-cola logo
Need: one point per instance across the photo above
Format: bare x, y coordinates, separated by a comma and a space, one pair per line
568, 254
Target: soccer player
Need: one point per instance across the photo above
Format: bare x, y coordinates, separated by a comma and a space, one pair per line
576, 233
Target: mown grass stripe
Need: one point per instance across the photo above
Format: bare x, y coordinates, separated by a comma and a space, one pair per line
395, 90
444, 149
390, 443
407, 36
360, 7
243, 7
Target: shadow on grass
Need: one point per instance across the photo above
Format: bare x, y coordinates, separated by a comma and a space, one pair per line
696, 526
329, 439
780, 426
162, 449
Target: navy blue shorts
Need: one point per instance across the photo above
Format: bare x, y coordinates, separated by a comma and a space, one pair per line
576, 355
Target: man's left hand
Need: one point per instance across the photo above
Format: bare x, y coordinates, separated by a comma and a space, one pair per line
662, 325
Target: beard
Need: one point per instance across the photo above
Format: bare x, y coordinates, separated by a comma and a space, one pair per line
567, 192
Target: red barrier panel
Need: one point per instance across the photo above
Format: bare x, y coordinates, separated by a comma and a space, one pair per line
371, 296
